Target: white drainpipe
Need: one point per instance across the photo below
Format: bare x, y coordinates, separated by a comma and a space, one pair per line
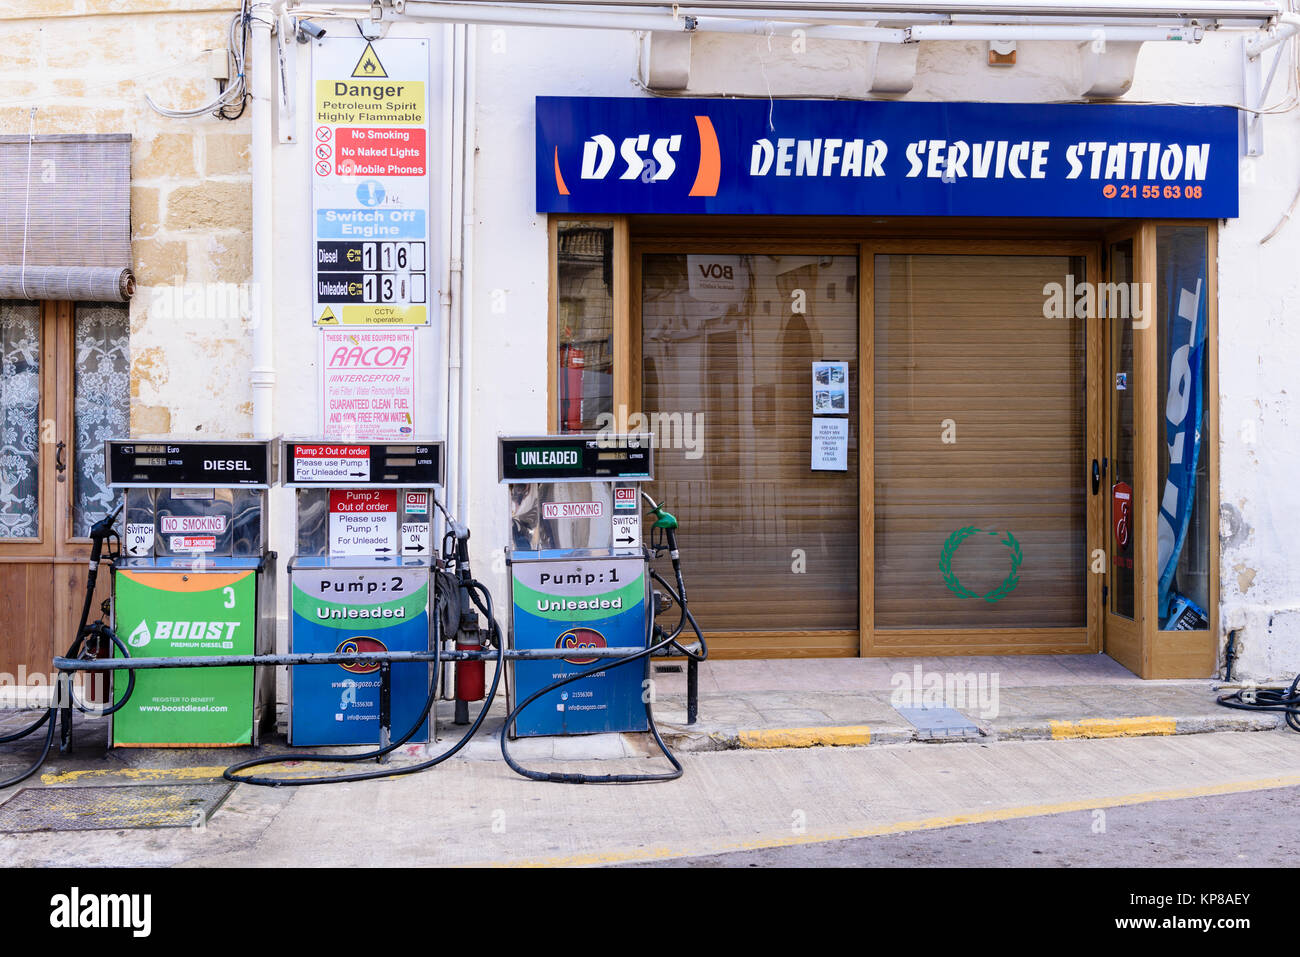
468, 141
445, 407
455, 371
262, 90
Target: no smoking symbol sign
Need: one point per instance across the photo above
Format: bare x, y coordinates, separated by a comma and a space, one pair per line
323, 133
322, 168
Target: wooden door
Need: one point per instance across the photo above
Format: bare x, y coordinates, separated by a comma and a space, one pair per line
64, 390
1125, 469
729, 336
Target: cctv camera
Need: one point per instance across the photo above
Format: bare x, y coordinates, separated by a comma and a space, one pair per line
309, 31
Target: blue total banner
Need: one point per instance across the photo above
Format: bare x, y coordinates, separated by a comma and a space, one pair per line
817, 157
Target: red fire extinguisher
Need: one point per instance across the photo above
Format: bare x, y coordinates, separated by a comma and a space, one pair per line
572, 364
469, 681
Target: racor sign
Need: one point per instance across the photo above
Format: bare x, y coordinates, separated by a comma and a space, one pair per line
369, 357
806, 157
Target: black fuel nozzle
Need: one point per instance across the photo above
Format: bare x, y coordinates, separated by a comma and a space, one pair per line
104, 527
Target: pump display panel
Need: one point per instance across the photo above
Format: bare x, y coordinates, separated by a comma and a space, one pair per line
188, 464
368, 464
576, 458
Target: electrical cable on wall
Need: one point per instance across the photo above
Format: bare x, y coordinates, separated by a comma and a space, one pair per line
233, 94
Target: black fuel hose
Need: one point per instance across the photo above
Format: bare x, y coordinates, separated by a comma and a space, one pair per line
101, 630
45, 750
17, 735
1268, 699
99, 533
230, 774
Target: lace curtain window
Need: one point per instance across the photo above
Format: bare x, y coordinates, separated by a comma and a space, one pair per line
103, 404
20, 395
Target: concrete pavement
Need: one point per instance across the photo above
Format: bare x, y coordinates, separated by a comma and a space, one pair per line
1055, 736
851, 701
479, 813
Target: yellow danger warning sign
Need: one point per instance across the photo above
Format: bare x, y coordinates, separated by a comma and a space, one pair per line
369, 64
327, 318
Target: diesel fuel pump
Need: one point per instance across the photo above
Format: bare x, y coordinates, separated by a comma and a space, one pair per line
195, 579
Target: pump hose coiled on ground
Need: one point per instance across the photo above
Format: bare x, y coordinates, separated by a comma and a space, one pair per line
231, 773
444, 611
1268, 699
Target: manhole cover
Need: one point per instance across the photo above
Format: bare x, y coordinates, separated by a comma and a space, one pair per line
939, 723
111, 808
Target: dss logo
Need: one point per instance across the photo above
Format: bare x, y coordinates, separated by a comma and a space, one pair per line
649, 159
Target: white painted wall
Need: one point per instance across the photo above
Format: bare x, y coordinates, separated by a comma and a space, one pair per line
1259, 460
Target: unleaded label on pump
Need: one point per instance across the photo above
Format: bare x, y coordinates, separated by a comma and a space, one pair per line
579, 605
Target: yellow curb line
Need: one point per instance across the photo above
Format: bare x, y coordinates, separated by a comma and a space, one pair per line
1112, 727
902, 827
304, 769
805, 737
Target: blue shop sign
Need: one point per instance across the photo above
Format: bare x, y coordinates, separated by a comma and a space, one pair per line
878, 158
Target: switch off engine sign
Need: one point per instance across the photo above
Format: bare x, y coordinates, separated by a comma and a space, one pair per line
370, 182
357, 611
580, 604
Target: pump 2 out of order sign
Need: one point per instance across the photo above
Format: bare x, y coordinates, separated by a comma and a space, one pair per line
370, 182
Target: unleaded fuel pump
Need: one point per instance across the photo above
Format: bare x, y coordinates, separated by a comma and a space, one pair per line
361, 580
578, 576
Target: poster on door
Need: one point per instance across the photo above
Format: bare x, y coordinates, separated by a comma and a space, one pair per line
368, 383
830, 445
830, 388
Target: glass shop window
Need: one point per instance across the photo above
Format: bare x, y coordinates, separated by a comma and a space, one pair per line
1184, 525
584, 324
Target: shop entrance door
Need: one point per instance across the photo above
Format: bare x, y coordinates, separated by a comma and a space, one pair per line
982, 485
729, 336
